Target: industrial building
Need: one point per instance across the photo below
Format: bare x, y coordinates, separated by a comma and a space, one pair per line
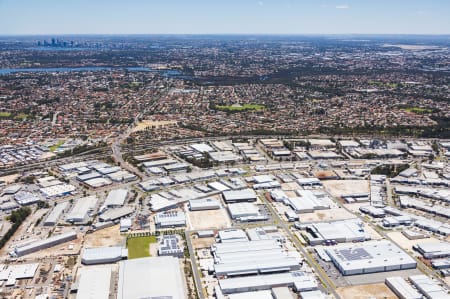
232, 235
401, 288
433, 250
114, 214
308, 201
103, 255
151, 277
94, 282
170, 219
351, 230
369, 257
81, 209
46, 243
429, 287
243, 210
299, 281
244, 195
204, 204
169, 246
10, 273
55, 214
116, 198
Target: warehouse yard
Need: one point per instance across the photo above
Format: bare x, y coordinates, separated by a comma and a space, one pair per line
407, 244
326, 215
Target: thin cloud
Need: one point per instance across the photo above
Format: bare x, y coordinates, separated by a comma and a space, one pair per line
342, 6
260, 3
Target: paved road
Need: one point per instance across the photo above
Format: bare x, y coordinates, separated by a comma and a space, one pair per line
319, 271
195, 269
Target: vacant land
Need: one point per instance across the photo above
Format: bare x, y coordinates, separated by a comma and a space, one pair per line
379, 290
153, 124
139, 246
406, 243
339, 188
326, 215
109, 236
211, 219
238, 108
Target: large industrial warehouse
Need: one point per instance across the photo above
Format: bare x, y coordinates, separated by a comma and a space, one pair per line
80, 210
299, 281
151, 277
244, 195
351, 230
370, 257
94, 282
46, 243
103, 255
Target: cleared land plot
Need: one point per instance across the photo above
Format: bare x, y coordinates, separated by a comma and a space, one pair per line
8, 179
338, 188
139, 246
406, 243
379, 290
208, 219
326, 215
150, 123
109, 236
199, 243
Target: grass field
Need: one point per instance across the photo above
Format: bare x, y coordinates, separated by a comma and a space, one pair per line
418, 110
5, 114
55, 147
139, 246
237, 108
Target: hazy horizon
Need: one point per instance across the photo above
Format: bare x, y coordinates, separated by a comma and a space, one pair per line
231, 17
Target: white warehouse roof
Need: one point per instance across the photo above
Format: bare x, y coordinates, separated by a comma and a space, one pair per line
151, 277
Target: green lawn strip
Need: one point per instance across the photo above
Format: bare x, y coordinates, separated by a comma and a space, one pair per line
240, 108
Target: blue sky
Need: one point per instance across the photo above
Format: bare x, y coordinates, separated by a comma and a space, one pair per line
224, 17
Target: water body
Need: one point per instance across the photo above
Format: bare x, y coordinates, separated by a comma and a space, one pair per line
165, 73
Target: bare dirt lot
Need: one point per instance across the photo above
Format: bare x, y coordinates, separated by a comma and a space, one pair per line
109, 236
210, 219
379, 290
8, 179
198, 243
338, 188
326, 215
149, 123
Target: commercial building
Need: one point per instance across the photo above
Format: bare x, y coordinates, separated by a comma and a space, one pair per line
169, 246
151, 277
244, 195
243, 210
370, 257
116, 198
204, 204
170, 219
103, 255
401, 288
94, 283
299, 281
81, 209
58, 190
55, 214
46, 243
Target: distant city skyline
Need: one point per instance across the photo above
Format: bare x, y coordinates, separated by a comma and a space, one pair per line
51, 17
